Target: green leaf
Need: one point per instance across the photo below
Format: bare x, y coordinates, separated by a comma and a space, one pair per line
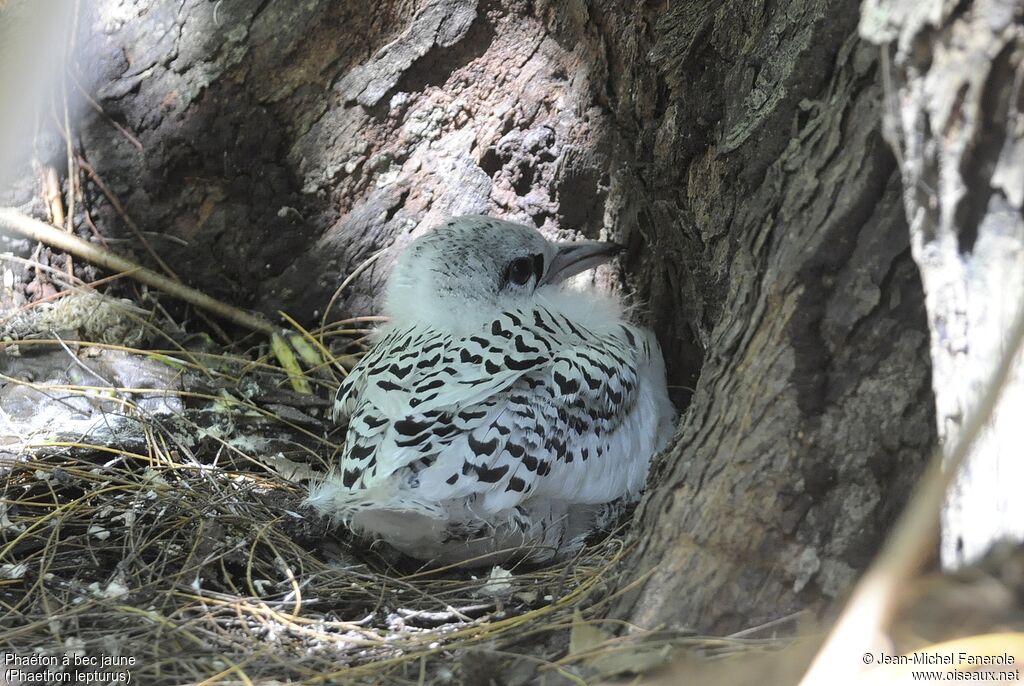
285, 355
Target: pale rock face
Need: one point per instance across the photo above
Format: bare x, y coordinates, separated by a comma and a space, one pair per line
497, 415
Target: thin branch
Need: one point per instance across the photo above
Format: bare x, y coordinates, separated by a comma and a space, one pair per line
344, 284
119, 208
99, 109
44, 233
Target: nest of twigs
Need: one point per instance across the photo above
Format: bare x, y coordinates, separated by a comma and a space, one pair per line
166, 543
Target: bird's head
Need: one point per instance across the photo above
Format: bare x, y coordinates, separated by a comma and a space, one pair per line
472, 268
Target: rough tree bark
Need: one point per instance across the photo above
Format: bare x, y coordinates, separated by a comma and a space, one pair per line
957, 123
812, 412
734, 146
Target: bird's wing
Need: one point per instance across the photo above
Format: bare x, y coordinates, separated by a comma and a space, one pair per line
548, 430
404, 397
534, 395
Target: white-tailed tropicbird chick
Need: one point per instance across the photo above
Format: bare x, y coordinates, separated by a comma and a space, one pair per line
497, 414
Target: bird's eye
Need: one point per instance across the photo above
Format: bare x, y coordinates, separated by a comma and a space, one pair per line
520, 270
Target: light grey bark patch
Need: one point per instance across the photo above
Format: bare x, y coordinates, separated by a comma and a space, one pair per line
954, 118
441, 23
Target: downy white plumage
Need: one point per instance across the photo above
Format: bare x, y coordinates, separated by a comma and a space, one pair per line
497, 414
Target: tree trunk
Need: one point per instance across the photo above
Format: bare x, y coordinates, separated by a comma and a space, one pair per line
812, 414
956, 122
735, 147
